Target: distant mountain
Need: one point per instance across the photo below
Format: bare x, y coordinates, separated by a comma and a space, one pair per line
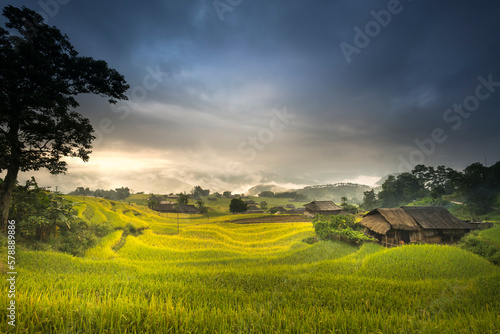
328, 192
334, 192
254, 191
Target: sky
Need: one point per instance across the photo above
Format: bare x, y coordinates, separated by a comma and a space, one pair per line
228, 94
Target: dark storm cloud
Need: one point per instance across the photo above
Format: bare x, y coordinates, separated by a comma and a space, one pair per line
220, 79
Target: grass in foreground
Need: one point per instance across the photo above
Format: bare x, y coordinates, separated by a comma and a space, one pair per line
253, 278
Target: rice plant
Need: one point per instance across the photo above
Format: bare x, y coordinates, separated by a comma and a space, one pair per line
221, 277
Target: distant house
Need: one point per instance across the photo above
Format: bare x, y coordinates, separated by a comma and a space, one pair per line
277, 210
252, 208
290, 206
297, 211
174, 197
169, 207
254, 211
164, 207
190, 209
411, 224
322, 208
156, 198
251, 201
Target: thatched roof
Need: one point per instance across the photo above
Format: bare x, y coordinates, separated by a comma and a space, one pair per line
322, 206
165, 207
297, 211
432, 217
376, 223
412, 218
382, 220
182, 208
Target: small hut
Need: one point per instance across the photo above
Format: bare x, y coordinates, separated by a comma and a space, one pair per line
253, 208
173, 208
411, 224
322, 208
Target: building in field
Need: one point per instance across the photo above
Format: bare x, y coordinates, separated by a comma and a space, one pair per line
414, 224
253, 208
173, 208
322, 208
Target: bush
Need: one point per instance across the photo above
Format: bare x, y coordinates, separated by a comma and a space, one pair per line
340, 227
310, 240
75, 240
473, 243
237, 205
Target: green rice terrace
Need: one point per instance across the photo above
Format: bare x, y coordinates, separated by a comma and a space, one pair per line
219, 275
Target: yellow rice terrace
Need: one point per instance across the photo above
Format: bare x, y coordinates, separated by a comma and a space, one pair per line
220, 276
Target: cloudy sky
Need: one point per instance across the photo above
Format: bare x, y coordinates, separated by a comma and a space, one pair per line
227, 94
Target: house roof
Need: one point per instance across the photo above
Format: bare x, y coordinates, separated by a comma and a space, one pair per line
382, 220
323, 206
432, 217
411, 219
376, 223
182, 208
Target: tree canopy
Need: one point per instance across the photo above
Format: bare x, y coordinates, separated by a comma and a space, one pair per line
477, 186
238, 205
41, 74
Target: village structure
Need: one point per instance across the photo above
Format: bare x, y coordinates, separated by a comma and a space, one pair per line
324, 208
170, 207
390, 226
414, 224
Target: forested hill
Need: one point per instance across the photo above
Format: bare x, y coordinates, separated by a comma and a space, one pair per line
334, 192
353, 192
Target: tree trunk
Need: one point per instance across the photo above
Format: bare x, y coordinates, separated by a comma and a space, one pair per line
6, 189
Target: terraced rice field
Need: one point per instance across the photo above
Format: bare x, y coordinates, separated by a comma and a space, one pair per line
223, 277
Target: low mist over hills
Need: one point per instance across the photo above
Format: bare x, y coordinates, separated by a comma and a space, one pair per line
255, 191
334, 192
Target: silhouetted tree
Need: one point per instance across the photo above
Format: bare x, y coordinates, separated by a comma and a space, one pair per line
122, 193
199, 191
182, 199
238, 205
477, 184
369, 200
401, 190
201, 206
40, 74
